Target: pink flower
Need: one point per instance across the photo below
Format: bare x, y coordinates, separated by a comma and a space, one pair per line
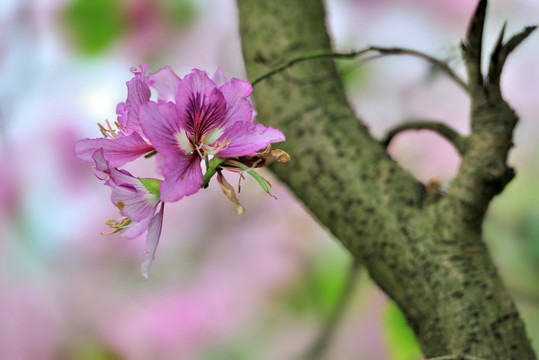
138, 201
192, 119
204, 120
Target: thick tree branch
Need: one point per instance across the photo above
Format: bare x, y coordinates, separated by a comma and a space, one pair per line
484, 171
428, 257
450, 134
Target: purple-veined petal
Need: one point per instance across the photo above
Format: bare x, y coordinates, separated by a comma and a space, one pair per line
138, 93
135, 229
246, 138
154, 233
132, 202
161, 126
166, 82
238, 107
117, 151
219, 77
201, 105
183, 176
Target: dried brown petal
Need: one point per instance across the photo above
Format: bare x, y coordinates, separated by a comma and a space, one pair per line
229, 192
265, 158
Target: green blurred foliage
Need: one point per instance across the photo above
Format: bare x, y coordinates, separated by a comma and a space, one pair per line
401, 341
512, 231
321, 285
88, 350
236, 353
95, 24
179, 12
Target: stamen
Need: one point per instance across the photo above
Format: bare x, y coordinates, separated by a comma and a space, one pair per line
117, 225
110, 132
103, 130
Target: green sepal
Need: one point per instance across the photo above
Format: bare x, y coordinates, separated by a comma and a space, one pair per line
212, 170
152, 185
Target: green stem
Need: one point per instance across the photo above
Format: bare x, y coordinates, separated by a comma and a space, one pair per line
263, 183
211, 170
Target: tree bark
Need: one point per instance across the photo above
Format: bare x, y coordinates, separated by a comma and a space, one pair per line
426, 254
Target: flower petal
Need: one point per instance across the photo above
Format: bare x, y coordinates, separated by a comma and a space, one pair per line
101, 169
219, 77
247, 138
135, 229
161, 126
132, 202
238, 107
154, 233
201, 105
166, 82
121, 111
138, 93
117, 151
183, 176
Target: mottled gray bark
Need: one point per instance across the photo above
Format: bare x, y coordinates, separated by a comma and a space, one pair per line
425, 252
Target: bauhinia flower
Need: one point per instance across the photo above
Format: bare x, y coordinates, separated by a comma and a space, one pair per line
205, 120
138, 202
193, 119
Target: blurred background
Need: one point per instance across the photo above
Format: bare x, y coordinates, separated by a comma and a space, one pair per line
223, 286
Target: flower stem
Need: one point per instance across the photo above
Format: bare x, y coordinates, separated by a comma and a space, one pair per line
211, 170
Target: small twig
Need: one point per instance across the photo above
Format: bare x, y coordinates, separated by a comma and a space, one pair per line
458, 141
525, 296
437, 63
457, 357
501, 53
471, 47
326, 335
319, 54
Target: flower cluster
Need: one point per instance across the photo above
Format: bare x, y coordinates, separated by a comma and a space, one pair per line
193, 120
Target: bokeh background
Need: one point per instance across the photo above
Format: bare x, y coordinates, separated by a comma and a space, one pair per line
223, 286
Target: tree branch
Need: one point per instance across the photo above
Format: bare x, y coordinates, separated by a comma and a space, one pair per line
442, 66
457, 357
501, 53
451, 135
383, 51
472, 47
427, 256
